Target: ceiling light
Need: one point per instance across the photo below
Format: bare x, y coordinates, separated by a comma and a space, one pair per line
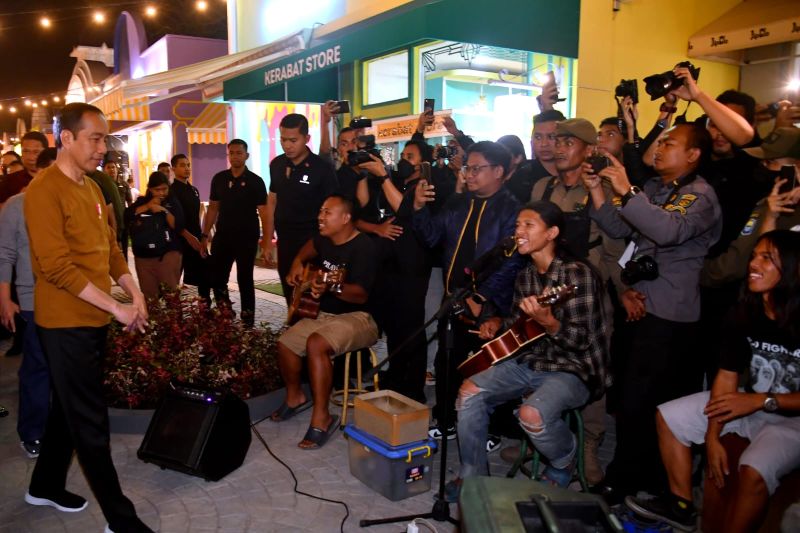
45, 22
150, 11
201, 5
99, 17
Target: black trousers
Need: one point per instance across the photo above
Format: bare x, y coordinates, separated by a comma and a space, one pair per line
78, 421
289, 243
662, 365
400, 310
225, 250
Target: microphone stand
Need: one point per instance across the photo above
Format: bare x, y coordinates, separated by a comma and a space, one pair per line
441, 508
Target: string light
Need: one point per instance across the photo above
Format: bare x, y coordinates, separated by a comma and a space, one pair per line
99, 17
45, 22
12, 109
150, 11
27, 103
56, 99
44, 102
201, 5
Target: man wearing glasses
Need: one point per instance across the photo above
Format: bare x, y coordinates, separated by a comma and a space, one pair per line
467, 227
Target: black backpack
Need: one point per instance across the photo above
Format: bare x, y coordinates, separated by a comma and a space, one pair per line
150, 235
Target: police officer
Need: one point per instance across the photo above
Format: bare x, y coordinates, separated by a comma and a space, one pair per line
575, 140
672, 223
299, 182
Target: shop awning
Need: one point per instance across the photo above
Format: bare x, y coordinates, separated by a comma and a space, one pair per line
532, 25
204, 74
751, 23
210, 126
116, 107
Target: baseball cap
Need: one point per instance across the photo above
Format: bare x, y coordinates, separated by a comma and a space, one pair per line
577, 127
782, 142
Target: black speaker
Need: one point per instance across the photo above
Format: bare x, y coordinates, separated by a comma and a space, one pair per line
199, 432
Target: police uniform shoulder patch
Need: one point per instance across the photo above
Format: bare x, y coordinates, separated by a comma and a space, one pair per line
672, 207
751, 224
686, 200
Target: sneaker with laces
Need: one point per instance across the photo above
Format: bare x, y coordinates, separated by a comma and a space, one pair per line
31, 448
675, 511
434, 433
64, 501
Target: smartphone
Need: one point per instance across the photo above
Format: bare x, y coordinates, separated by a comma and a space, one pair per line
343, 105
788, 173
429, 104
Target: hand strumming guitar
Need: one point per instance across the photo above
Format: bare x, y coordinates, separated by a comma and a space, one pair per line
318, 287
490, 327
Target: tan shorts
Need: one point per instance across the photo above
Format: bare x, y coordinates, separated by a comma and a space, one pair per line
345, 332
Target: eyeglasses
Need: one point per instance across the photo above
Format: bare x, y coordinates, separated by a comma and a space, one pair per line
474, 169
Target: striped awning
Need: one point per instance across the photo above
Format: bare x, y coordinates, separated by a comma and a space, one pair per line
210, 126
115, 107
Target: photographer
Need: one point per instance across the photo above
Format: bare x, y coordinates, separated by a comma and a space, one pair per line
618, 137
672, 224
398, 299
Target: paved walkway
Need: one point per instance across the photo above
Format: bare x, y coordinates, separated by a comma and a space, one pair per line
258, 497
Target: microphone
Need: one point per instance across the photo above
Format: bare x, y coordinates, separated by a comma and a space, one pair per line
491, 259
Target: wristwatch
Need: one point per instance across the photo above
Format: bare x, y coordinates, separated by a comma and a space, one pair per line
770, 403
634, 190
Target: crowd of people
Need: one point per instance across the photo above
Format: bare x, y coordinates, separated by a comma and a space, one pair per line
679, 249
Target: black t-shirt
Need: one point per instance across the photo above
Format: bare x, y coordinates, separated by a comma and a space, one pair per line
738, 187
356, 255
300, 189
171, 204
348, 182
465, 253
238, 199
767, 357
189, 198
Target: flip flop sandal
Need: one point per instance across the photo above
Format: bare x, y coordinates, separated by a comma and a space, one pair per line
284, 412
318, 437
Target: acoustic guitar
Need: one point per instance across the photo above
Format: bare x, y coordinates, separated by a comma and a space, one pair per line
304, 305
521, 333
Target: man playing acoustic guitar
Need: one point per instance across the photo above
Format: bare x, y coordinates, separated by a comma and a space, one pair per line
343, 323
564, 369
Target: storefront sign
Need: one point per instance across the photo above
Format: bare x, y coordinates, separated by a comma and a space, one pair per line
305, 65
402, 128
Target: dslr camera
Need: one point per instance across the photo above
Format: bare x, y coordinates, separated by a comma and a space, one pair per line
627, 88
446, 152
642, 268
367, 147
659, 85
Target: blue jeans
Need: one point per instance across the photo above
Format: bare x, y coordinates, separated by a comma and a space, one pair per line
550, 393
34, 384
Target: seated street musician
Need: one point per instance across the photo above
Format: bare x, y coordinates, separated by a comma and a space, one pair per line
343, 323
563, 369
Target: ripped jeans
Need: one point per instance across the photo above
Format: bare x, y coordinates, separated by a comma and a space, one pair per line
550, 393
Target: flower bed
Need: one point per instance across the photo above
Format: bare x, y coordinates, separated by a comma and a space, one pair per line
190, 344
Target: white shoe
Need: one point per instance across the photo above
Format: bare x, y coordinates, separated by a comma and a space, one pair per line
65, 502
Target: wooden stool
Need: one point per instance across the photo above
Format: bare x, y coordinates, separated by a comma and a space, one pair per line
535, 459
342, 397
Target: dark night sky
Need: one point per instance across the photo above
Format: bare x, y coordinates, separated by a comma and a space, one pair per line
36, 60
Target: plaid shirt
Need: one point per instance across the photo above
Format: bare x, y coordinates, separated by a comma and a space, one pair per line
581, 344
